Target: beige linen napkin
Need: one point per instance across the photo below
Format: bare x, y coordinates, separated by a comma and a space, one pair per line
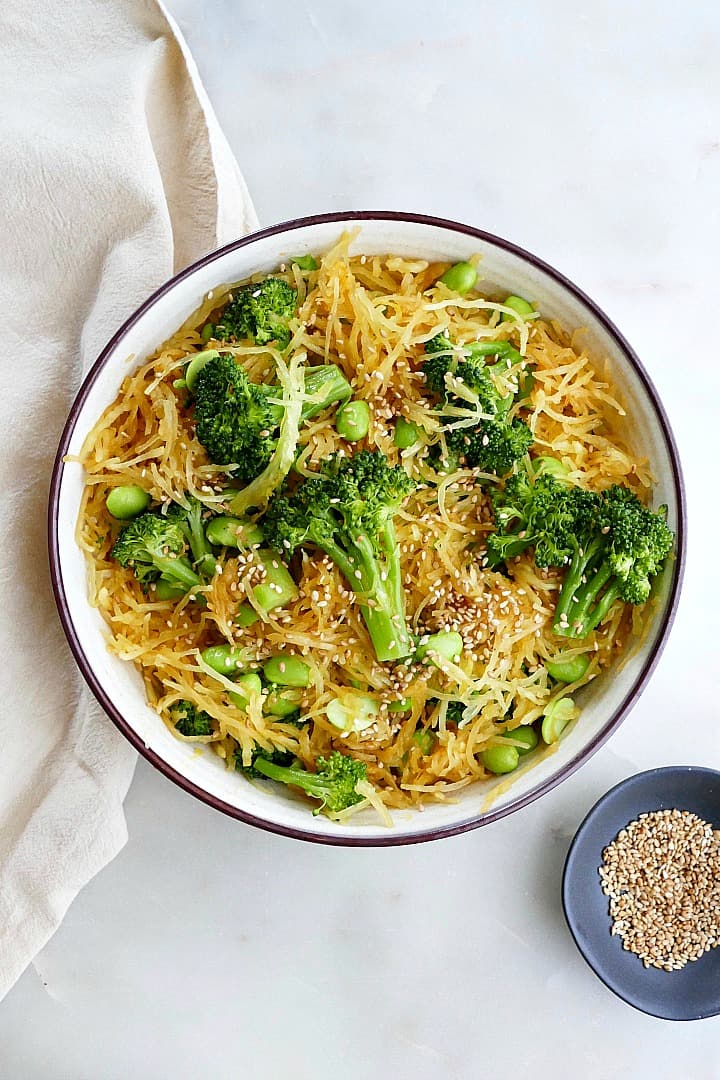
114, 175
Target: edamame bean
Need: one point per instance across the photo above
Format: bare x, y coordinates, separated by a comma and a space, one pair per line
525, 736
406, 433
305, 262
227, 531
166, 590
246, 615
207, 332
352, 421
196, 365
278, 588
127, 501
556, 718
550, 466
250, 683
225, 659
500, 759
404, 705
568, 669
520, 305
287, 671
282, 703
352, 712
460, 278
447, 644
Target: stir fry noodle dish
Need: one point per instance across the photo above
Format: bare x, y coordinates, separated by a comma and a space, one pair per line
367, 531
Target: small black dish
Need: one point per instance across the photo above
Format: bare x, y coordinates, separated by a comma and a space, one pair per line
692, 993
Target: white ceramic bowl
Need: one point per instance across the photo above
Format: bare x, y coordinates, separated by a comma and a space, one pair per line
117, 685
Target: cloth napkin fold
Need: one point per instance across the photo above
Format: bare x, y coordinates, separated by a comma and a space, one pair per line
114, 175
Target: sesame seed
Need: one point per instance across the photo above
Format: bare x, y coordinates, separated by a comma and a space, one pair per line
661, 875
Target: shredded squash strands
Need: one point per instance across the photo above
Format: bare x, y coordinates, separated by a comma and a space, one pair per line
370, 315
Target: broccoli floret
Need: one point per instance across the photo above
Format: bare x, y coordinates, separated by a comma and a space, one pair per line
259, 311
278, 757
611, 545
237, 420
153, 545
477, 431
190, 720
542, 513
455, 712
616, 553
348, 513
234, 419
334, 783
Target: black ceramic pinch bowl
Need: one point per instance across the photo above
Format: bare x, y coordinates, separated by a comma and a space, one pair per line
693, 992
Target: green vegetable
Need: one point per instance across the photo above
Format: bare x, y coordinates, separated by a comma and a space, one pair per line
425, 740
550, 466
352, 421
500, 759
282, 703
261, 311
237, 420
277, 590
207, 332
568, 669
196, 365
225, 659
406, 433
460, 278
287, 671
127, 501
226, 531
165, 590
352, 712
348, 513
525, 736
189, 720
522, 307
556, 718
154, 546
275, 756
447, 644
404, 705
334, 783
305, 262
251, 683
194, 529
472, 395
611, 545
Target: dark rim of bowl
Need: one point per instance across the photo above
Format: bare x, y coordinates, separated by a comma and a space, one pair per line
568, 910
347, 839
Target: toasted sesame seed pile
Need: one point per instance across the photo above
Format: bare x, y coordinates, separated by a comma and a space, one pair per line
662, 874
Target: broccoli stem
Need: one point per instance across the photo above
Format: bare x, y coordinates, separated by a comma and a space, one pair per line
199, 544
178, 570
325, 385
575, 615
309, 782
379, 591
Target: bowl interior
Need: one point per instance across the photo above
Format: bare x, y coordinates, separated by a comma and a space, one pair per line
119, 687
692, 992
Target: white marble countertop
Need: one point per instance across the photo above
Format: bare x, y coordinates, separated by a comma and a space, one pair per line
590, 135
